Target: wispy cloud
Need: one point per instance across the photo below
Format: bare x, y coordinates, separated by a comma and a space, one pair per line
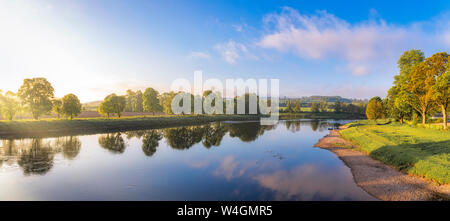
231, 51
323, 35
239, 28
199, 55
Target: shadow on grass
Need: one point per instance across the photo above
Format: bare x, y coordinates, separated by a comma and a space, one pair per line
406, 156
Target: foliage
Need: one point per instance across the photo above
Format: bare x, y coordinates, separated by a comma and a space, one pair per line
439, 69
37, 93
297, 108
375, 110
151, 101
71, 106
134, 101
10, 105
57, 107
165, 101
315, 107
337, 106
112, 104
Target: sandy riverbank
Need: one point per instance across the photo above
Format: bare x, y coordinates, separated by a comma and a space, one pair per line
380, 180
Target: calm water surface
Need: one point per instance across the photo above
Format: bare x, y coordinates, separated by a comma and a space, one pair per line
217, 161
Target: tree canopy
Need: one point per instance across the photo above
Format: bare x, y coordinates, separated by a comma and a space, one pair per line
375, 110
151, 101
37, 94
112, 104
71, 106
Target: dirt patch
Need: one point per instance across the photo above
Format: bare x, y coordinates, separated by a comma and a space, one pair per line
380, 180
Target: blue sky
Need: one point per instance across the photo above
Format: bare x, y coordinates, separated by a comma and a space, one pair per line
94, 48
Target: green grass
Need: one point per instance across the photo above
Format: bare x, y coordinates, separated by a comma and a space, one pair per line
423, 152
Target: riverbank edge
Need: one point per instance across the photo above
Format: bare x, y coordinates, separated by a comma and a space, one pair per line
60, 127
382, 181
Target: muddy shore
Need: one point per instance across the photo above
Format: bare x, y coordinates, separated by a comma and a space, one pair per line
380, 180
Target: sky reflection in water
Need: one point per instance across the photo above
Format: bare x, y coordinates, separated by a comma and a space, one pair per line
218, 161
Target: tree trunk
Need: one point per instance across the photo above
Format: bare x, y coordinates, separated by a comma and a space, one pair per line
424, 117
444, 116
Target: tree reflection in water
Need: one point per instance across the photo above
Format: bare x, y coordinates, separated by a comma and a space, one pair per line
183, 137
247, 132
70, 146
150, 141
293, 126
213, 134
113, 142
37, 158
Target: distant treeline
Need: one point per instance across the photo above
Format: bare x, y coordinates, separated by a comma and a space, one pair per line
295, 106
36, 97
307, 101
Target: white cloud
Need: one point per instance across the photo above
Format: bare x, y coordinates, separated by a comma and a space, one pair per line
199, 54
323, 35
239, 28
232, 51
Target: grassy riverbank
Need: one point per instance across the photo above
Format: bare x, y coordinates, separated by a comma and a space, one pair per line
417, 151
51, 127
54, 127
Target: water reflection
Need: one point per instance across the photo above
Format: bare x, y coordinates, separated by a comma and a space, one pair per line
113, 142
71, 146
34, 156
316, 125
248, 132
280, 164
213, 134
150, 141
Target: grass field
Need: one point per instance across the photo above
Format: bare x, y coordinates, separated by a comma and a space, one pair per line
423, 152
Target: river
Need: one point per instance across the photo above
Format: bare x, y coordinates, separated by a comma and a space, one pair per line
216, 161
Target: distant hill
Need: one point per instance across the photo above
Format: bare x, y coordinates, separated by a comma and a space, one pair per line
328, 99
93, 104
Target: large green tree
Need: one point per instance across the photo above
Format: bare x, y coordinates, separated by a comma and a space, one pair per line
71, 106
57, 107
151, 101
438, 67
400, 99
37, 94
139, 102
130, 101
419, 89
10, 105
375, 110
112, 104
166, 101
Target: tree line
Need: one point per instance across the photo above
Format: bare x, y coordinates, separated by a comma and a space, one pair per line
421, 88
295, 106
36, 96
